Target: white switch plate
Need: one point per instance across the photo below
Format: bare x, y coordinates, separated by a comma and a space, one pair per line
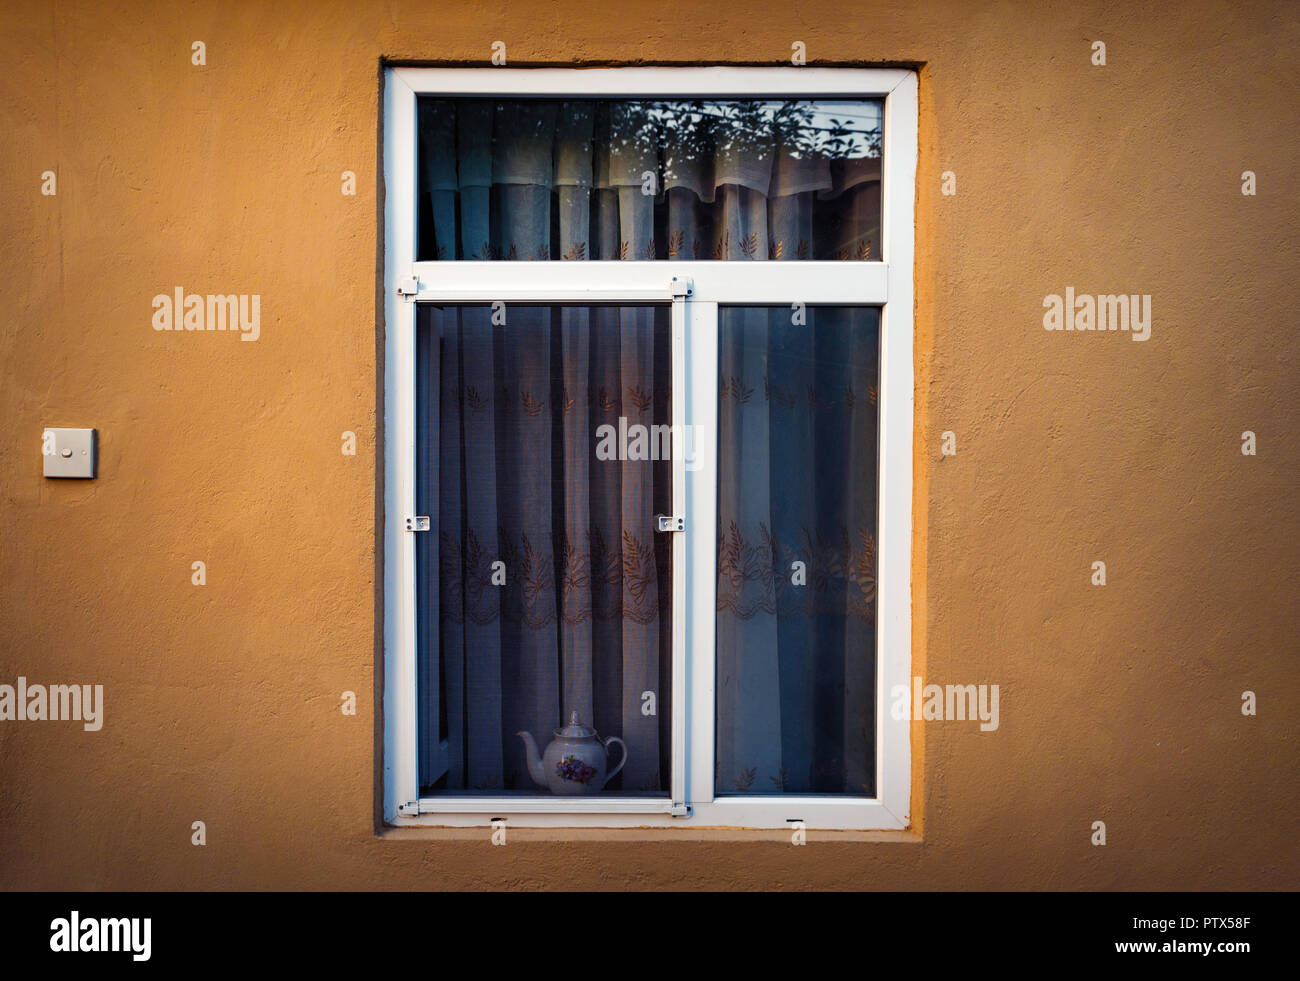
71, 453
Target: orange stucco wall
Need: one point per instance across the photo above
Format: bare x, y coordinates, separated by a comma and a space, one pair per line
1119, 704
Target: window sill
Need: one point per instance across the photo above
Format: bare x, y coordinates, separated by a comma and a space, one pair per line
641, 834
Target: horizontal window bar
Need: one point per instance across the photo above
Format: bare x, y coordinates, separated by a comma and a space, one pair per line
770, 814
545, 805
699, 82
846, 282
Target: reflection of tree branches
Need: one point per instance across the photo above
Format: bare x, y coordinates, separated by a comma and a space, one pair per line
687, 130
697, 129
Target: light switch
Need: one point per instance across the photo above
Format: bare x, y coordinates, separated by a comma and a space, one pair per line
69, 453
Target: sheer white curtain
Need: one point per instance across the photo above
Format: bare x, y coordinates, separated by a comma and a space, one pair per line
647, 180
509, 415
796, 550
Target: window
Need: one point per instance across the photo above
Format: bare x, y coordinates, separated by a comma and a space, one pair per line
648, 404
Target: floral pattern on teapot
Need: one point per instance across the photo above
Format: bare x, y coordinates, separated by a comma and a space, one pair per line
575, 761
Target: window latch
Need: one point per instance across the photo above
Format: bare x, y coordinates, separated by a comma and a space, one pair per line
408, 286
410, 809
417, 522
670, 522
680, 810
681, 286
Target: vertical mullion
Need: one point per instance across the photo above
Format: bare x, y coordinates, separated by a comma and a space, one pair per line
701, 540
679, 705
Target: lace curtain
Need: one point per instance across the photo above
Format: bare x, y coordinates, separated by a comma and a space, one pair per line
534, 180
796, 550
544, 586
509, 472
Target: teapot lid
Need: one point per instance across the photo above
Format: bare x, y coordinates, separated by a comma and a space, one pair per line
575, 729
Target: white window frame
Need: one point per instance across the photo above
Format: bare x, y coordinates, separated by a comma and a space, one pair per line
887, 284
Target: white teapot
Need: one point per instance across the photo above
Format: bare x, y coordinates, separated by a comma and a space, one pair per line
574, 762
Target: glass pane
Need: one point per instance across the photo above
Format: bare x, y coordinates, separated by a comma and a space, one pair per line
544, 590
740, 179
796, 550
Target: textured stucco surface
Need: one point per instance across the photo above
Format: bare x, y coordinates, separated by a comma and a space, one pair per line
1119, 704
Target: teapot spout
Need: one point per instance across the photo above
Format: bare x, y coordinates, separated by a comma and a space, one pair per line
536, 769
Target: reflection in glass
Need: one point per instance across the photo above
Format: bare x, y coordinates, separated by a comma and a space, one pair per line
736, 179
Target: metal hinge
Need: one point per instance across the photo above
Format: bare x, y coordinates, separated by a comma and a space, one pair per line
671, 522
680, 810
682, 286
409, 286
417, 522
411, 808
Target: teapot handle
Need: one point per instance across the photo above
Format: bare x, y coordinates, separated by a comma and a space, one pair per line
614, 739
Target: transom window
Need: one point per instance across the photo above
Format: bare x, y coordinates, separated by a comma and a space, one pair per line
528, 179
648, 466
